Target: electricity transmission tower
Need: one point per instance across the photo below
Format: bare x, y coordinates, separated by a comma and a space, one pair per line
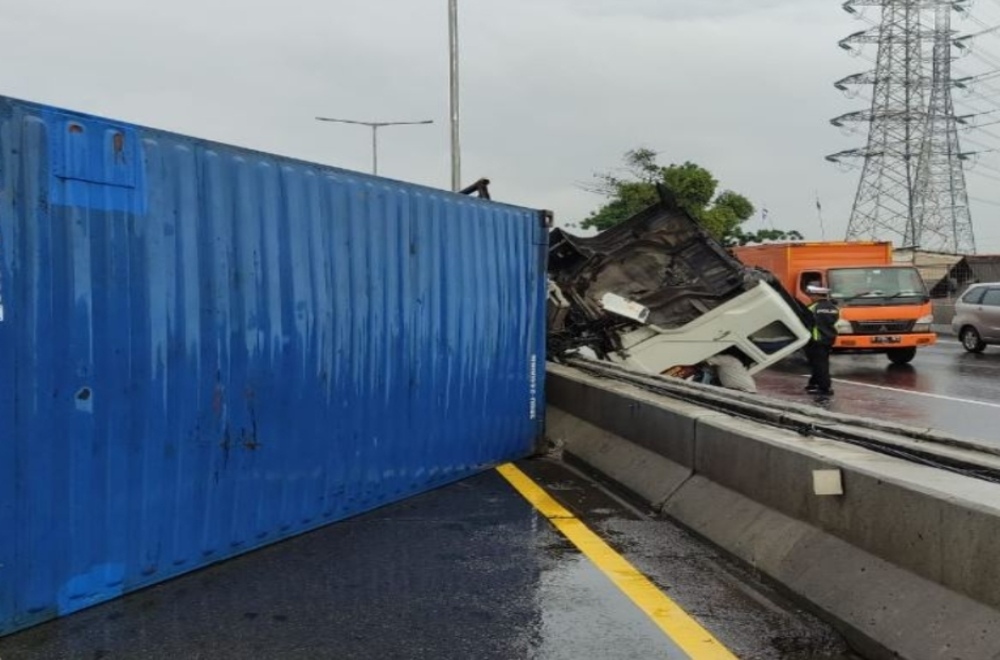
912, 186
943, 221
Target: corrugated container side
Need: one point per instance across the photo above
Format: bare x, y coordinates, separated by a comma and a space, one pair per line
206, 349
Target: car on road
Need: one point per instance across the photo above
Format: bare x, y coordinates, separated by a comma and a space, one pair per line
977, 316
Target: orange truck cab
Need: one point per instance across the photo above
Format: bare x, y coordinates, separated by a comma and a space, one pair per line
884, 308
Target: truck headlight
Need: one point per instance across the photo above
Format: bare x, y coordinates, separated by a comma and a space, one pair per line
923, 324
844, 327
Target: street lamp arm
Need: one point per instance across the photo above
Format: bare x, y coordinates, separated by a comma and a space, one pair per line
345, 121
406, 123
375, 124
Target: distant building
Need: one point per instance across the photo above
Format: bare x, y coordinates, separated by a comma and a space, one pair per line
933, 266
967, 270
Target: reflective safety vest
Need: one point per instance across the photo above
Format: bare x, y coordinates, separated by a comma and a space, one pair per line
825, 315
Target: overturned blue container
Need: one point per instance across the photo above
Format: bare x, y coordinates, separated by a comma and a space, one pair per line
206, 349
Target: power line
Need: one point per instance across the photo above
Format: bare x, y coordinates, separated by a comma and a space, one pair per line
985, 166
977, 127
986, 201
985, 148
985, 175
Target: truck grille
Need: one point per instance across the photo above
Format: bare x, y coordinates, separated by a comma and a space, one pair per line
881, 327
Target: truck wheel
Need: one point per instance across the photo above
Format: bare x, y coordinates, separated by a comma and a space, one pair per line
902, 355
971, 341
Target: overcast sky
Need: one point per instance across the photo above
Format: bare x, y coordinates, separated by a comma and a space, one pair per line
552, 90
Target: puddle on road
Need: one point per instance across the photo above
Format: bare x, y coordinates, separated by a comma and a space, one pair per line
583, 615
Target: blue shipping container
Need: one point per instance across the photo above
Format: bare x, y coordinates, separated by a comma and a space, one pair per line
206, 349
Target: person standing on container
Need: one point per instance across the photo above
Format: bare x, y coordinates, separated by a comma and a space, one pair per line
822, 335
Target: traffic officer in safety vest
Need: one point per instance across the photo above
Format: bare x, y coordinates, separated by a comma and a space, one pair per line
823, 333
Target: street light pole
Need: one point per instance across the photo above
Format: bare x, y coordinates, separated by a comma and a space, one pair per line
375, 125
456, 156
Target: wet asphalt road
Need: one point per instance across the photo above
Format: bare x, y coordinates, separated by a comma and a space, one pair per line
944, 388
467, 571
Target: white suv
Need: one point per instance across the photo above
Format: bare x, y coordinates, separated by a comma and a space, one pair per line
977, 316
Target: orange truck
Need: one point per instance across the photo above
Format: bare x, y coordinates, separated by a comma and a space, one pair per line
884, 308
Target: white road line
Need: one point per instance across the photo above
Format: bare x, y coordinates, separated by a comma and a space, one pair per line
928, 394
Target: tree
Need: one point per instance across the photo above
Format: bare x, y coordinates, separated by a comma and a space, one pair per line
739, 237
694, 188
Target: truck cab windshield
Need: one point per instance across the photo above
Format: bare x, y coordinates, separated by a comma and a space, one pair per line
876, 286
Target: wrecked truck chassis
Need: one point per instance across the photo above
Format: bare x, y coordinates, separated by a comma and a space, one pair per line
658, 292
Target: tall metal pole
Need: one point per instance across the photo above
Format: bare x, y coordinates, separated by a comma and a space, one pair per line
456, 156
375, 125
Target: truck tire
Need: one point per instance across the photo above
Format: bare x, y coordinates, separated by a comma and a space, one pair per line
901, 355
971, 341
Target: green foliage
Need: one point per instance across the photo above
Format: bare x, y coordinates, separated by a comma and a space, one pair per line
693, 187
738, 204
739, 237
629, 198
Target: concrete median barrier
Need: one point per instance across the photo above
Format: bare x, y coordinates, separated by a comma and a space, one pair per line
903, 561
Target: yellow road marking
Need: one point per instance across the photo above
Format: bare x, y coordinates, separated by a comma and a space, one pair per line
665, 613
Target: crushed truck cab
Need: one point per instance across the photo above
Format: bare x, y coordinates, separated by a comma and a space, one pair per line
884, 308
657, 293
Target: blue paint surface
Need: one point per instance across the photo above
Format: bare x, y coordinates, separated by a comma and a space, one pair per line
205, 349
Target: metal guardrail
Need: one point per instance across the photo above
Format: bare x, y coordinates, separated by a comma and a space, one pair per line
924, 446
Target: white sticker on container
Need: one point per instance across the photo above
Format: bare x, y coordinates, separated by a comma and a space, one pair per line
533, 387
